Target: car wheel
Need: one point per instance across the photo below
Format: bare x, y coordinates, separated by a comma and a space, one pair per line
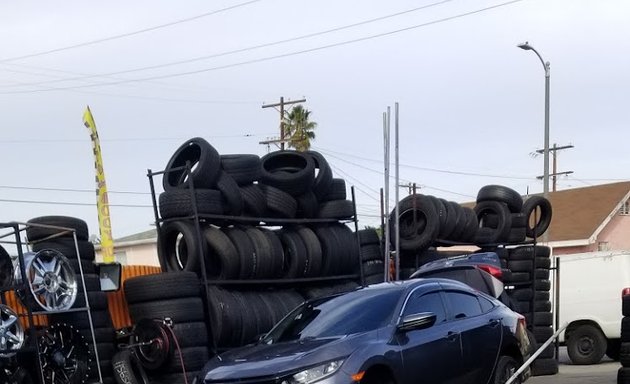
506, 367
377, 378
586, 345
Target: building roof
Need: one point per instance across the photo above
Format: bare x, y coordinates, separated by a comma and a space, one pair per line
150, 234
580, 213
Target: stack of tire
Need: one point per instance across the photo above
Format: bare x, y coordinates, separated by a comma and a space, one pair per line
104, 332
529, 275
372, 260
176, 296
505, 218
623, 375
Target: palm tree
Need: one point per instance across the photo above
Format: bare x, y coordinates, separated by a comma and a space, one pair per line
298, 129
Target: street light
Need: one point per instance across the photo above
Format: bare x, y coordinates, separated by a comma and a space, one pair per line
546, 66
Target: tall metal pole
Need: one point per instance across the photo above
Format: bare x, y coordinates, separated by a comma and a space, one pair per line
546, 156
397, 227
386, 185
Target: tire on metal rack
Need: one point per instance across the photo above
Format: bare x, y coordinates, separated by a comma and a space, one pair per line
254, 200
68, 248
499, 233
34, 233
527, 252
180, 247
307, 205
161, 286
544, 367
295, 261
290, 171
502, 194
418, 222
230, 193
244, 168
127, 368
336, 209
263, 250
279, 203
277, 252
471, 225
313, 251
332, 259
369, 236
324, 178
456, 211
204, 161
530, 207
224, 314
222, 261
447, 228
178, 203
246, 253
349, 249
337, 191
189, 309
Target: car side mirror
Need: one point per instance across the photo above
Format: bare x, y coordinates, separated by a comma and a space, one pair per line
417, 321
109, 275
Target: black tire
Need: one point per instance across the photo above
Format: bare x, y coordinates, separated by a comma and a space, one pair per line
625, 305
68, 248
290, 171
254, 201
542, 334
205, 165
502, 194
224, 313
231, 194
456, 214
516, 235
528, 252
369, 236
193, 334
623, 376
87, 266
244, 169
313, 251
542, 262
307, 205
539, 319
336, 209
450, 221
613, 349
162, 286
222, 260
544, 367
521, 294
373, 267
505, 368
541, 273
419, 223
80, 320
499, 233
530, 206
178, 203
625, 328
586, 345
332, 259
279, 203
517, 277
127, 369
542, 285
374, 279
277, 252
471, 226
337, 191
295, 260
324, 177
246, 253
184, 254
97, 300
440, 209
37, 233
371, 252
548, 353
525, 306
349, 248
180, 310
262, 248
624, 353
520, 265
102, 335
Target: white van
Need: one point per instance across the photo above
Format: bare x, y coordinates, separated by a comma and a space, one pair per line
591, 286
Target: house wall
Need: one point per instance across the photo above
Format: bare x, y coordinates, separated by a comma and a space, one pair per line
136, 254
614, 237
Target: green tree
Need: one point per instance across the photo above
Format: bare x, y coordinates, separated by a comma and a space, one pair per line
299, 129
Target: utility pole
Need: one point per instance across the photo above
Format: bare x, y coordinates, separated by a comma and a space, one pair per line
281, 104
411, 187
555, 173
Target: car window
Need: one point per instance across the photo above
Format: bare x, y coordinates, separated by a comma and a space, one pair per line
463, 305
430, 302
486, 305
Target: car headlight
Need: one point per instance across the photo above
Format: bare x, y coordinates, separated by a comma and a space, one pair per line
314, 374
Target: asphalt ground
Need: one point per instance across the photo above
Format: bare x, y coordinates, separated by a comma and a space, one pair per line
602, 373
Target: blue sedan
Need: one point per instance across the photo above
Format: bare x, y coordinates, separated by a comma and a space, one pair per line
416, 331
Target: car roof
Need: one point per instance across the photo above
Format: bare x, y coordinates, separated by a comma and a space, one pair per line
414, 283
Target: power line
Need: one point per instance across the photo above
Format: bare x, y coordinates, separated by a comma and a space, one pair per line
115, 37
72, 203
430, 169
69, 190
254, 47
268, 58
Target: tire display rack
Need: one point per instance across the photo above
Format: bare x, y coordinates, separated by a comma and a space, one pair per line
31, 342
226, 220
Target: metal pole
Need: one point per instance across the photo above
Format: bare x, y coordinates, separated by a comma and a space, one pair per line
546, 155
386, 265
386, 197
397, 223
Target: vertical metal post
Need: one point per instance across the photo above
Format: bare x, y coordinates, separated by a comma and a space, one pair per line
386, 185
383, 240
397, 223
158, 225
356, 231
282, 123
556, 274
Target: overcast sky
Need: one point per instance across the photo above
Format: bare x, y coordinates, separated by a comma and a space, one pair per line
471, 102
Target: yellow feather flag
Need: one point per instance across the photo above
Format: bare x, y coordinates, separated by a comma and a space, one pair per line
102, 203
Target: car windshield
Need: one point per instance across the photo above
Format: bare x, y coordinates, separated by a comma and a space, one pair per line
355, 312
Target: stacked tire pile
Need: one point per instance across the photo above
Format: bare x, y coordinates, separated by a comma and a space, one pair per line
372, 260
104, 331
623, 375
176, 297
529, 274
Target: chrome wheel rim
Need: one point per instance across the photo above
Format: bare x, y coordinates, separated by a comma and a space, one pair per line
51, 279
11, 332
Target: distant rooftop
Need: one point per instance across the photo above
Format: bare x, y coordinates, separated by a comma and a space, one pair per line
150, 234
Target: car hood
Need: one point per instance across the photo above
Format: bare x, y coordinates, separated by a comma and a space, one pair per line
273, 360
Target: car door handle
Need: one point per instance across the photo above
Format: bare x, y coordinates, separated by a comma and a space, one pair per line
494, 322
452, 336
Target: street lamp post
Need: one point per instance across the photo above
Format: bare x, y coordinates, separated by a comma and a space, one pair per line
546, 65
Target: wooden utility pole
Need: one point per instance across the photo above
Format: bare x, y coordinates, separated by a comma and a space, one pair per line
281, 104
554, 175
